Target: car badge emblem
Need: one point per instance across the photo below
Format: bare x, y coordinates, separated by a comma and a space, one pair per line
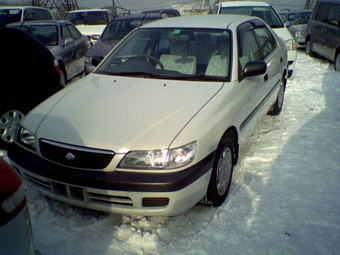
70, 156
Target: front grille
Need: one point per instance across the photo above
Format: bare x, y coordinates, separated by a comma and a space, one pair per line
77, 193
75, 156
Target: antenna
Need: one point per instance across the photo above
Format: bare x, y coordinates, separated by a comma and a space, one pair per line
59, 7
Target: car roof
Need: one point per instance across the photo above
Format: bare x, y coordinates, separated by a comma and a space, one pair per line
36, 22
201, 21
90, 10
139, 16
21, 7
244, 3
294, 11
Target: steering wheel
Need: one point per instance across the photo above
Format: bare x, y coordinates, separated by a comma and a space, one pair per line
146, 58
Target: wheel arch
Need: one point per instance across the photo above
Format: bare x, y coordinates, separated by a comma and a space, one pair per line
233, 133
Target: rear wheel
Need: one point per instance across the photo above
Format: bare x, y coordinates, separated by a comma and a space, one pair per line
62, 77
221, 175
337, 62
10, 117
308, 48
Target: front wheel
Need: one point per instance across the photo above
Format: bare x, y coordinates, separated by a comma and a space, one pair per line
9, 120
277, 106
222, 172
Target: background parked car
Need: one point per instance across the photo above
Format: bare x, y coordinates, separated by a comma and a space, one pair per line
266, 12
323, 31
29, 74
64, 40
296, 22
90, 21
16, 235
157, 127
113, 33
11, 14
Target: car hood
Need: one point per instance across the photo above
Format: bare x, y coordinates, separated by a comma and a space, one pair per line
120, 113
91, 29
301, 27
102, 48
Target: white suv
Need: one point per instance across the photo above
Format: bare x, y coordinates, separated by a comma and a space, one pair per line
269, 15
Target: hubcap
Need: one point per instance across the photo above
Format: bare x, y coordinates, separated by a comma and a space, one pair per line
8, 125
223, 173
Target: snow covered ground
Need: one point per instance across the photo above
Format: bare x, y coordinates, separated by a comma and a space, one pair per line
284, 199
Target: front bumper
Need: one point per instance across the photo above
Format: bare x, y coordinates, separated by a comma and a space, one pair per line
141, 193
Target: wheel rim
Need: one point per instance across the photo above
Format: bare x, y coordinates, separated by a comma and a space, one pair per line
8, 125
223, 173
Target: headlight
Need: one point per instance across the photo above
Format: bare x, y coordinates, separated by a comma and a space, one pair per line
160, 159
26, 139
88, 59
290, 44
300, 34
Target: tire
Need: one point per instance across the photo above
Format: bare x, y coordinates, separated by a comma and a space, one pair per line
220, 179
10, 117
62, 77
337, 62
308, 48
277, 106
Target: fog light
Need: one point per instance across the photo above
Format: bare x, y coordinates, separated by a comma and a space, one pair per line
155, 201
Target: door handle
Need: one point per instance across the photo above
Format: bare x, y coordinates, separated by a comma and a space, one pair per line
265, 77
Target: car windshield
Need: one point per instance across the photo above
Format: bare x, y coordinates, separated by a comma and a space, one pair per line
87, 18
117, 29
266, 13
172, 53
298, 18
10, 16
47, 34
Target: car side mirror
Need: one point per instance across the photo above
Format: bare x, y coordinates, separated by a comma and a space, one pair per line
287, 23
96, 60
69, 41
95, 37
333, 22
255, 68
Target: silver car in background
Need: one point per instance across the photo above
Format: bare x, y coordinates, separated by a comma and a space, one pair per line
296, 22
64, 40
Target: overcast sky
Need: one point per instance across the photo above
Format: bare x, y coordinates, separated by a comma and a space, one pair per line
138, 5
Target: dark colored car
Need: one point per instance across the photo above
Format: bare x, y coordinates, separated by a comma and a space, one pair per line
30, 74
116, 30
64, 40
296, 22
323, 31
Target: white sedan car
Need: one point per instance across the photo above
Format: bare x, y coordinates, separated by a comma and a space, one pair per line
158, 126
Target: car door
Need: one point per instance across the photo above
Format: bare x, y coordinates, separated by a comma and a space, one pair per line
73, 53
320, 29
332, 31
81, 44
256, 43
